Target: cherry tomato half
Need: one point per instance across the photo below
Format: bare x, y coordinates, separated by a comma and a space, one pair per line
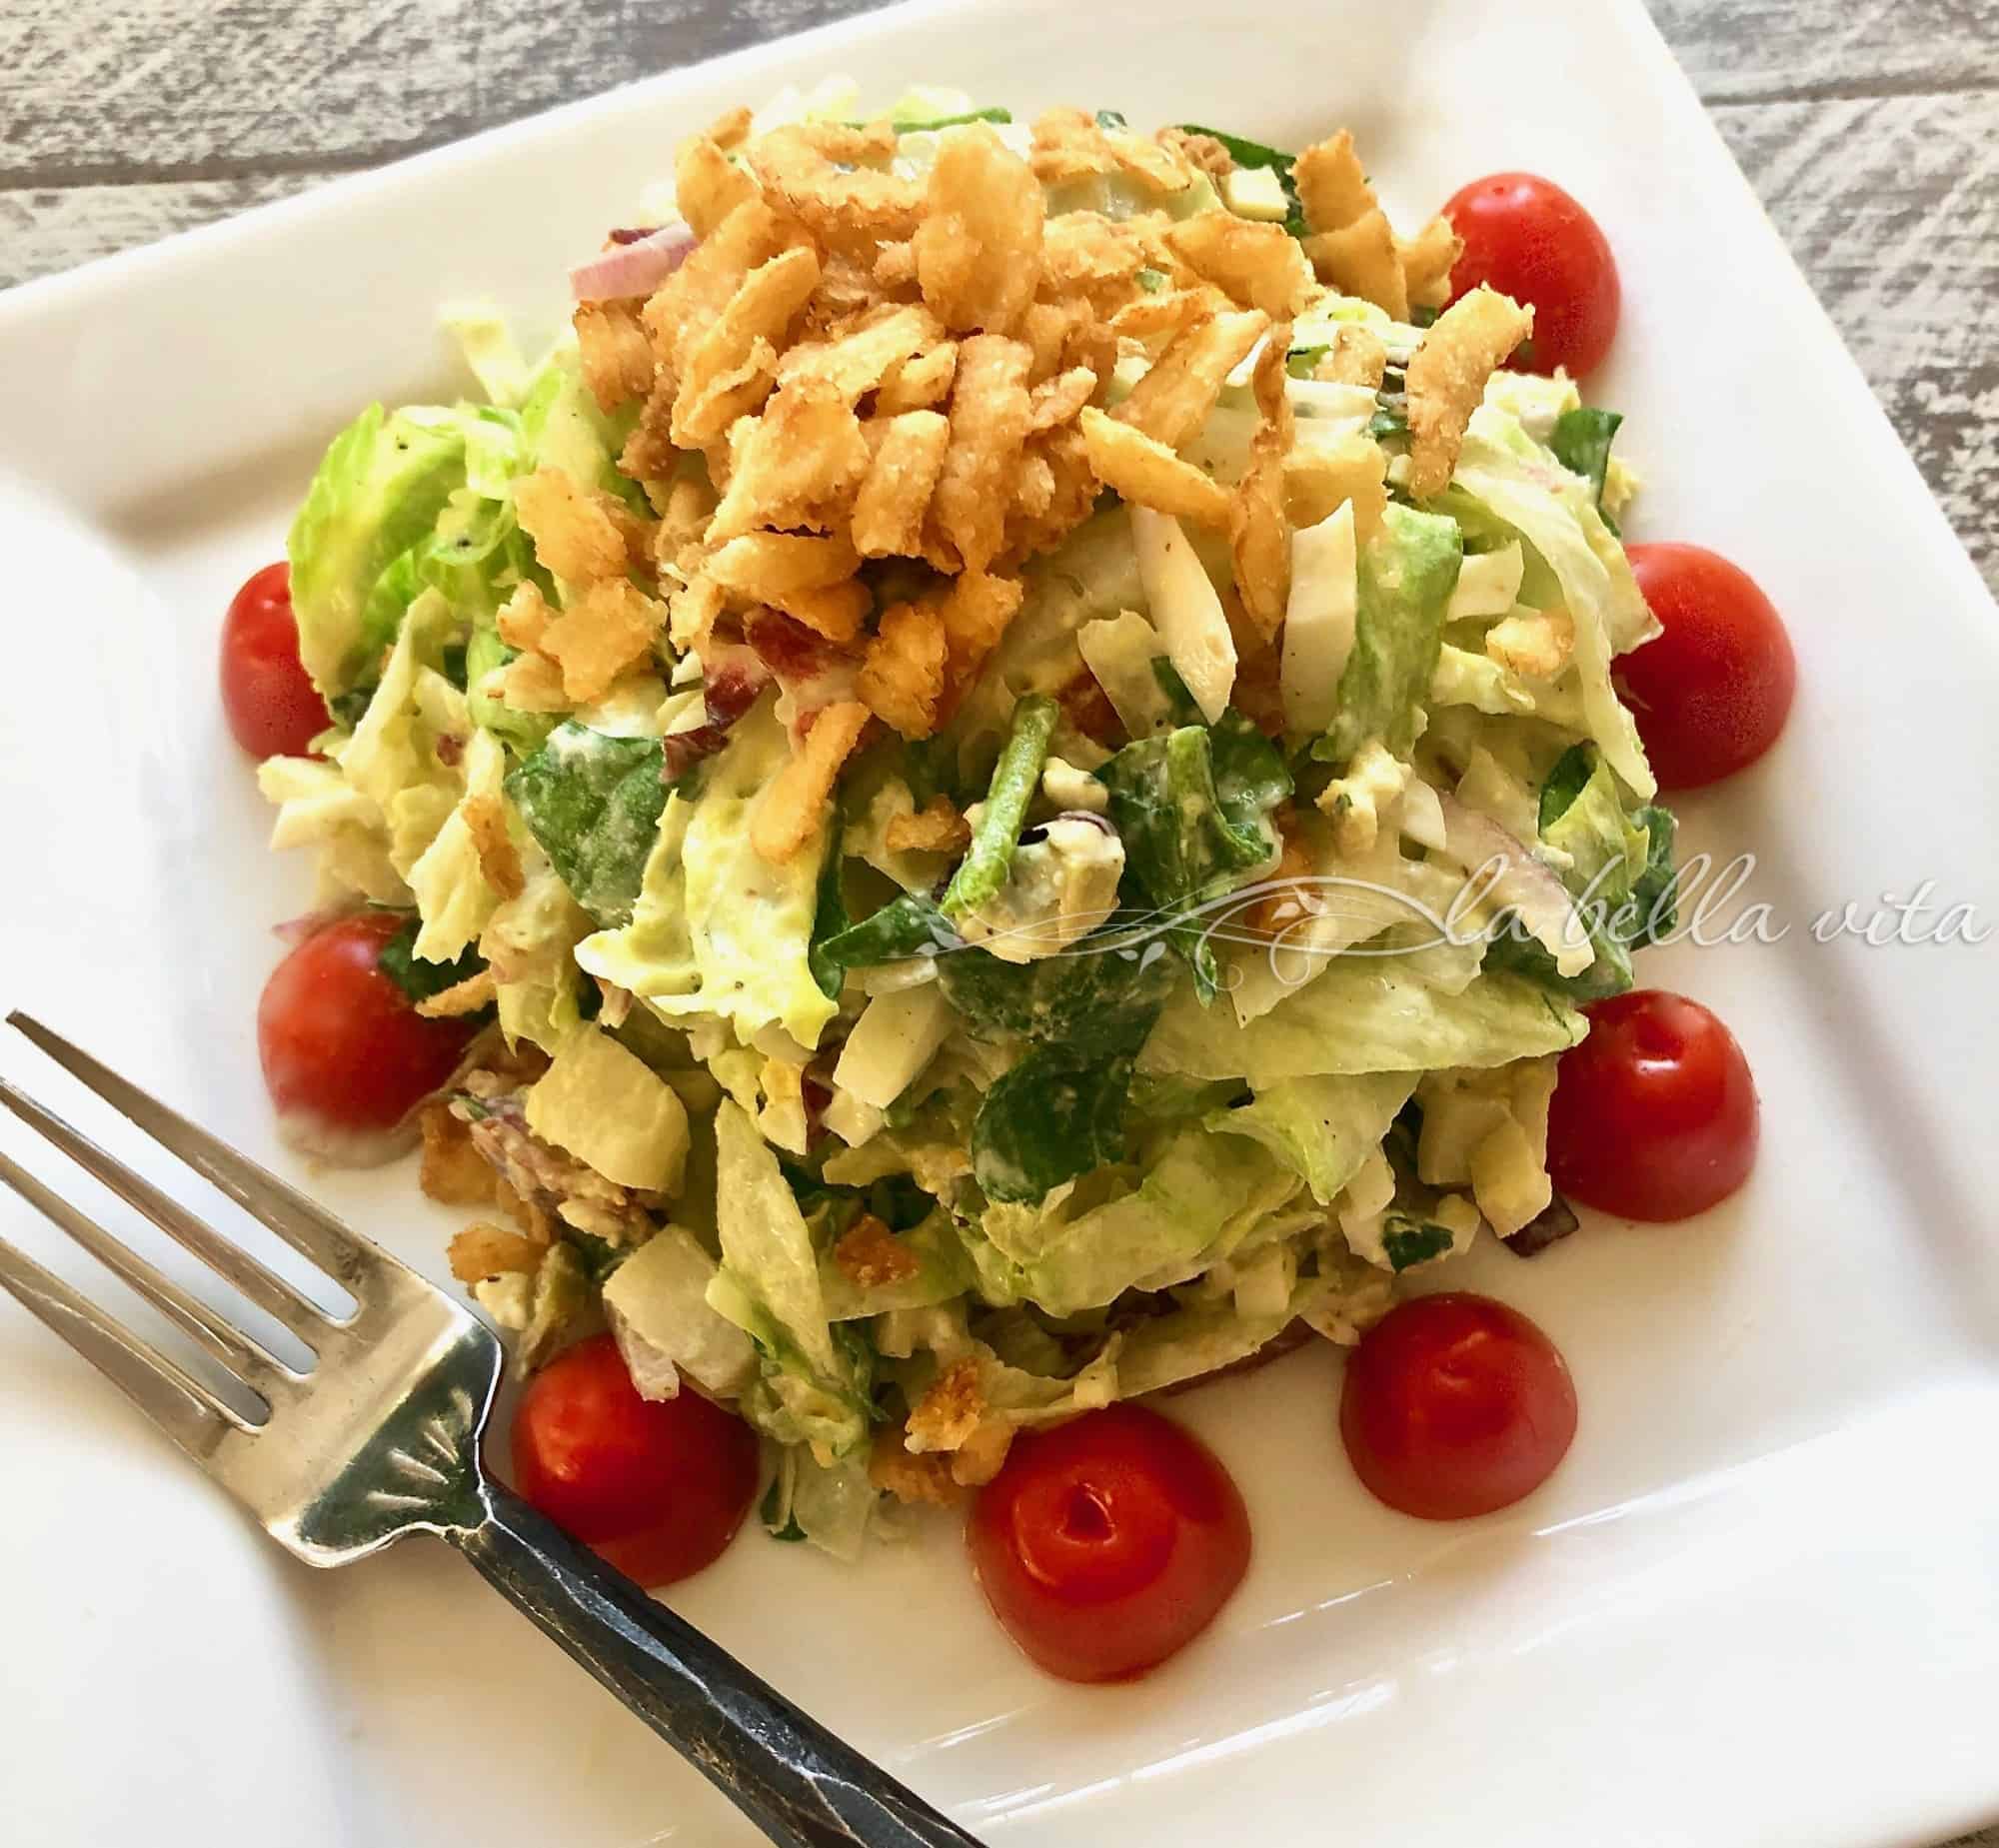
655, 1487
1455, 1406
1712, 691
268, 698
1106, 1544
344, 1049
1530, 240
1654, 1113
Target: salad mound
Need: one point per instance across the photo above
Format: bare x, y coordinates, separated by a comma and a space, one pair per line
1014, 745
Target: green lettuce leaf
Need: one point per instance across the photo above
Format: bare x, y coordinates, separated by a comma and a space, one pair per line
1406, 573
454, 897
942, 1275
1620, 863
716, 929
1322, 1128
378, 491
1364, 1014
1505, 470
1192, 1207
1246, 152
391, 755
813, 1386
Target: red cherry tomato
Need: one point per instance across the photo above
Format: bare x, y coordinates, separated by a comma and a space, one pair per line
1106, 1544
269, 700
343, 1047
1654, 1113
655, 1487
1530, 240
1713, 690
1454, 1405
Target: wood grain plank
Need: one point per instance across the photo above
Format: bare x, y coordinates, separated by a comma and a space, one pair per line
1806, 50
46, 229
193, 90
1891, 206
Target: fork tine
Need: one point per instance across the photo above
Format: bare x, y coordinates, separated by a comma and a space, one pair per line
229, 1260
242, 1356
314, 1234
181, 1408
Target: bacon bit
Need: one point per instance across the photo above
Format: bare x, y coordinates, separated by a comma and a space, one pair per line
1087, 708
450, 749
870, 1254
788, 648
735, 676
815, 1092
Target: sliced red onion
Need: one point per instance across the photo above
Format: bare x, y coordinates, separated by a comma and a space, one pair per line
633, 269
1518, 881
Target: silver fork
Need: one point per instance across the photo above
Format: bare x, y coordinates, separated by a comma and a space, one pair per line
381, 1439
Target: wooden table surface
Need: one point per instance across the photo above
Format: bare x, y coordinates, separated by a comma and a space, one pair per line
1870, 129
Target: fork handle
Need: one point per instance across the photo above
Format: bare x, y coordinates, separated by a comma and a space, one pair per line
799, 1784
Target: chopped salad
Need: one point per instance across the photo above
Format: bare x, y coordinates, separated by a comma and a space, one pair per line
1005, 768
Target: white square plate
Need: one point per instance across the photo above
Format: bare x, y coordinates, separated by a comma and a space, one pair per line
1760, 1603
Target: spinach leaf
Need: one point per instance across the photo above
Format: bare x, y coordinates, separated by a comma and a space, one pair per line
1391, 418
346, 709
1049, 1120
1513, 949
1246, 152
1619, 921
1408, 1241
1573, 769
1112, 118
1654, 900
1098, 998
593, 801
830, 917
774, 1512
931, 769
415, 978
1581, 442
1194, 806
1181, 706
1015, 776
909, 925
